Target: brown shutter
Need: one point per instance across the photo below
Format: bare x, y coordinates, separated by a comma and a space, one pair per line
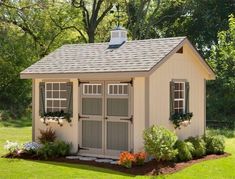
186, 97
172, 88
42, 99
70, 98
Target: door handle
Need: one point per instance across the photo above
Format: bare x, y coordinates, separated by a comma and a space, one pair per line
128, 119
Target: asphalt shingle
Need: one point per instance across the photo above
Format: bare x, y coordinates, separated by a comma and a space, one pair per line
138, 55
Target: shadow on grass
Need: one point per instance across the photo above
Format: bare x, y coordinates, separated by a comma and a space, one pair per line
83, 167
229, 133
23, 122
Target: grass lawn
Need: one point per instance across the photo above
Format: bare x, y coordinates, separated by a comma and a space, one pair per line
21, 132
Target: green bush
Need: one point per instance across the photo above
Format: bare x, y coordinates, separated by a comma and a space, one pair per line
199, 146
54, 149
214, 144
159, 142
185, 150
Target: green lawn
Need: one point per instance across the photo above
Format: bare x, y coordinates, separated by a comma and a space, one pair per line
14, 168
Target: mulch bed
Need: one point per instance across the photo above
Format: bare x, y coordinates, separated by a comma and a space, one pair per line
150, 168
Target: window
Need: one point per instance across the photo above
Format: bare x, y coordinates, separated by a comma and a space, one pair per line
56, 96
118, 89
179, 97
92, 89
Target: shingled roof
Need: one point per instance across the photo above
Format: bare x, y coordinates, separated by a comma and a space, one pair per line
132, 56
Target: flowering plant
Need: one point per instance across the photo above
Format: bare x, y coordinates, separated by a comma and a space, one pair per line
12, 147
126, 159
31, 147
140, 158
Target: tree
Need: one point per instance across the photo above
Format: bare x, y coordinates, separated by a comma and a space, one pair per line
221, 92
141, 15
93, 14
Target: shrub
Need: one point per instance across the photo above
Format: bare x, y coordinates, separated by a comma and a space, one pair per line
31, 147
185, 150
47, 135
54, 149
140, 158
199, 146
159, 142
126, 159
12, 147
214, 144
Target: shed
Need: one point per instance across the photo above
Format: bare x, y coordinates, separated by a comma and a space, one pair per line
101, 96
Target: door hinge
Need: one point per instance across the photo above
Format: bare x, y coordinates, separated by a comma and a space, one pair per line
130, 82
82, 82
79, 117
128, 119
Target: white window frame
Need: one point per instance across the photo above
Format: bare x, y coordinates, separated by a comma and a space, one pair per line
180, 99
118, 84
93, 85
54, 99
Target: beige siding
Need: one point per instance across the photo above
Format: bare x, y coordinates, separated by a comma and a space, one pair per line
69, 131
139, 113
178, 66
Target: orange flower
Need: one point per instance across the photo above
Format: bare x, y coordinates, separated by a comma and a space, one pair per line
126, 159
140, 158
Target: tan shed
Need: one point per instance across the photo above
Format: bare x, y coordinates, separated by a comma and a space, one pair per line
101, 96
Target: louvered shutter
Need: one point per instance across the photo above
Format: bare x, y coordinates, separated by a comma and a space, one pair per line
172, 88
42, 98
70, 98
186, 97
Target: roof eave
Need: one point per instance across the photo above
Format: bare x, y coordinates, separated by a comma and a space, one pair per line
87, 75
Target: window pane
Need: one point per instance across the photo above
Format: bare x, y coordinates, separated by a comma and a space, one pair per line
182, 94
99, 89
56, 103
115, 89
120, 90
125, 89
49, 103
181, 104
55, 86
177, 87
176, 104
49, 94
49, 109
55, 94
63, 94
110, 89
56, 109
63, 103
117, 107
181, 86
177, 95
49, 86
90, 89
63, 86
181, 110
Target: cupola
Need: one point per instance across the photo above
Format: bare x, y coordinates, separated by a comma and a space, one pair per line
118, 36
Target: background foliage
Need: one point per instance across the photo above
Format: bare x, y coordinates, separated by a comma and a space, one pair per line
30, 30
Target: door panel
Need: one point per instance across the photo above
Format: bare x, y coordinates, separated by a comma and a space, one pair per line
117, 136
117, 107
105, 110
92, 106
92, 134
92, 118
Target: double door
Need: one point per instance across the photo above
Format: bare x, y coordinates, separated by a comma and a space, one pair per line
105, 118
